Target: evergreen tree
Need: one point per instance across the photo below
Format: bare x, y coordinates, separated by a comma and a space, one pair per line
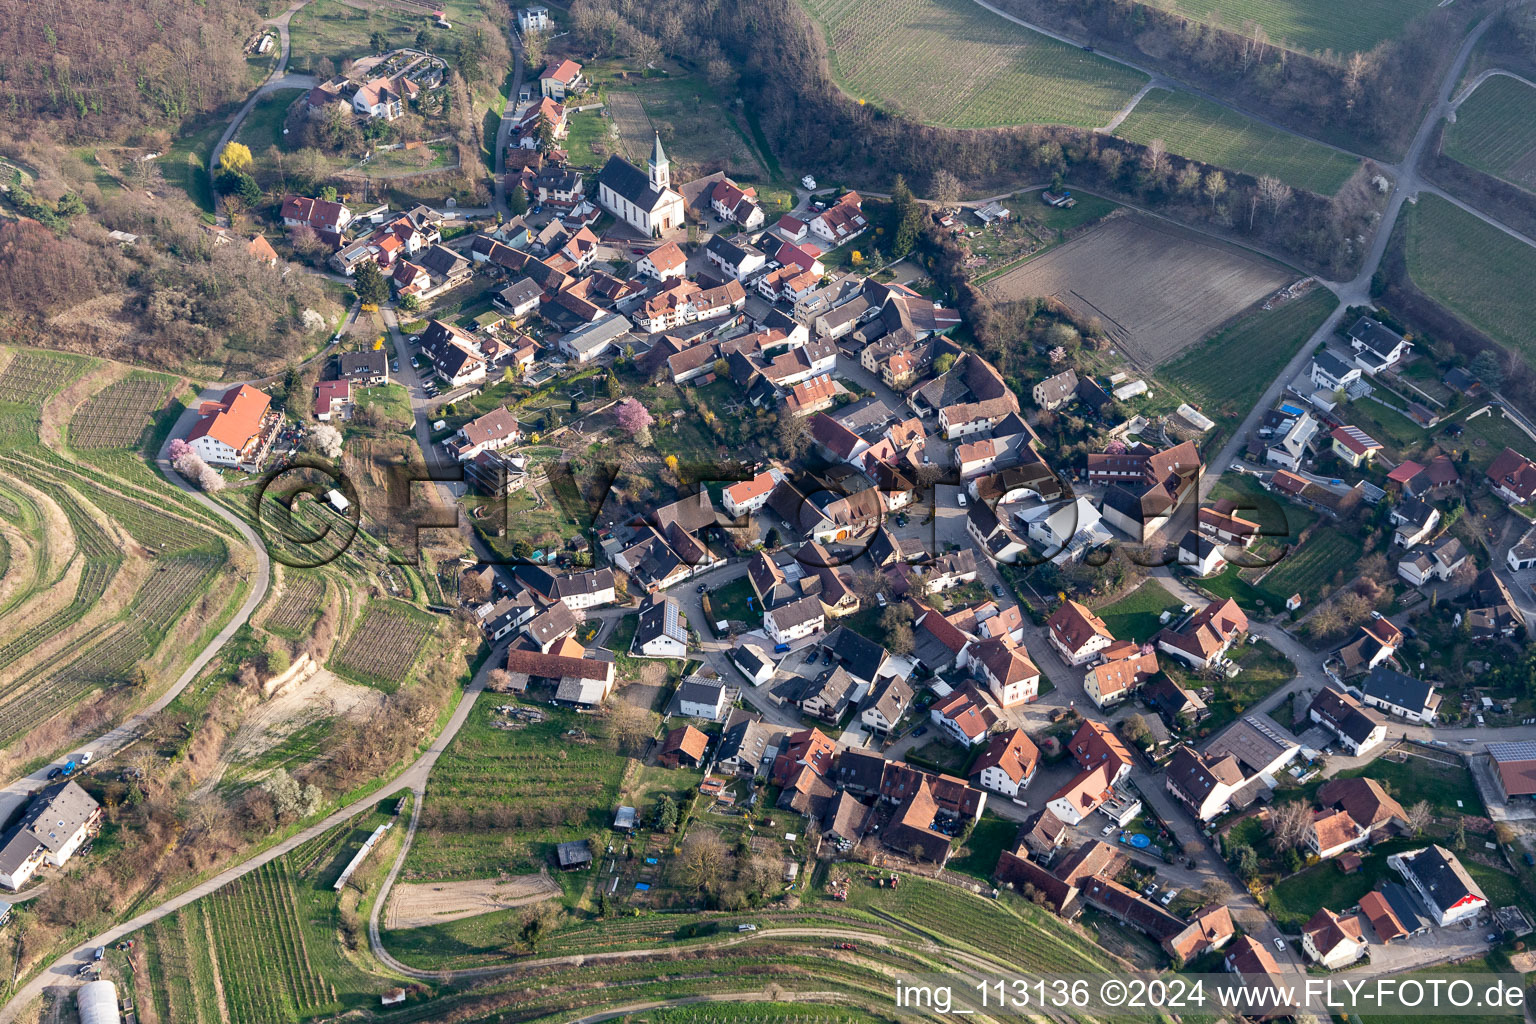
369, 284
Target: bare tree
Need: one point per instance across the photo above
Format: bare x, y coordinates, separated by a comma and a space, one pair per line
1274, 194
1355, 71
630, 726
1216, 891
944, 187
1155, 160
702, 860
1215, 187
1189, 180
1419, 817
1290, 822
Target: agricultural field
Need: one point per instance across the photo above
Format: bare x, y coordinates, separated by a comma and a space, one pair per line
1308, 26
121, 414
31, 376
264, 949
1495, 131
298, 605
1201, 130
1225, 375
500, 798
384, 646
1475, 270
953, 63
1311, 569
1155, 289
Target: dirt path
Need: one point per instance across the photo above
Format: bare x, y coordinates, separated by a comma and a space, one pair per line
1125, 111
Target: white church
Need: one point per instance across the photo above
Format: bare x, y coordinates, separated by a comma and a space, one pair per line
646, 203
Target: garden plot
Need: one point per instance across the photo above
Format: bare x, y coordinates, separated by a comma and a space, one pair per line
299, 604
384, 646
420, 905
1155, 289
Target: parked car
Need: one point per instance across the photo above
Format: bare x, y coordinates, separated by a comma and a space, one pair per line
921, 730
701, 588
101, 951
1150, 889
960, 499
997, 591
1107, 830
1279, 943
1168, 897
746, 927
54, 772
85, 758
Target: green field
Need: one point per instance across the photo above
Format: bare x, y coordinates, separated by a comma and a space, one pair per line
1134, 616
341, 31
1308, 25
499, 799
1445, 784
1495, 131
1225, 375
1475, 270
1201, 130
263, 126
951, 62
185, 164
1310, 569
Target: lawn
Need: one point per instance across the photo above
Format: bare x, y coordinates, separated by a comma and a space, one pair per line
1226, 375
953, 63
586, 129
1309, 26
1495, 131
730, 602
1441, 783
1294, 900
1201, 130
263, 126
978, 854
1135, 616
340, 31
1475, 270
1496, 430
185, 164
392, 401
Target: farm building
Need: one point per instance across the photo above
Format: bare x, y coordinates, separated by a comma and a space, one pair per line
55, 824
97, 1001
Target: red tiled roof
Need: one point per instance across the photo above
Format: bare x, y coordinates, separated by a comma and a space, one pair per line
235, 418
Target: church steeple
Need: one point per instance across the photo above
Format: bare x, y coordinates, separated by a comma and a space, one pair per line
661, 171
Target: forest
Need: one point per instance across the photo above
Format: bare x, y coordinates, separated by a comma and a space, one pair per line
122, 70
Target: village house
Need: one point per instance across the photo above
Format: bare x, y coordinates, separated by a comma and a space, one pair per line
1122, 667
747, 496
1331, 373
1513, 477
664, 263
1436, 560
1332, 940
454, 354
558, 80
384, 98
1207, 635
1201, 554
496, 429
327, 219
236, 430
56, 822
733, 204
886, 703
1104, 760
1415, 520
1359, 731
660, 631
1354, 446
1077, 634
1054, 392
1010, 676
841, 222
1146, 486
1202, 783
1377, 347
1439, 879
1007, 765
1400, 695
584, 680
795, 620
965, 716
332, 398
684, 747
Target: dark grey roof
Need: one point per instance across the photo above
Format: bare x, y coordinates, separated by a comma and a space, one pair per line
663, 617
52, 818
1124, 502
364, 364
729, 251
1375, 336
441, 260
629, 182
1406, 906
555, 622
1442, 876
751, 659
1332, 365
861, 656
1389, 685
698, 690
574, 854
520, 291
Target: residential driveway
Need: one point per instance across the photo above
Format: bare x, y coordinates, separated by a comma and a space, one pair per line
1438, 945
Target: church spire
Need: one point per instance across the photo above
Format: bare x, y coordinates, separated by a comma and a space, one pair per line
661, 173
